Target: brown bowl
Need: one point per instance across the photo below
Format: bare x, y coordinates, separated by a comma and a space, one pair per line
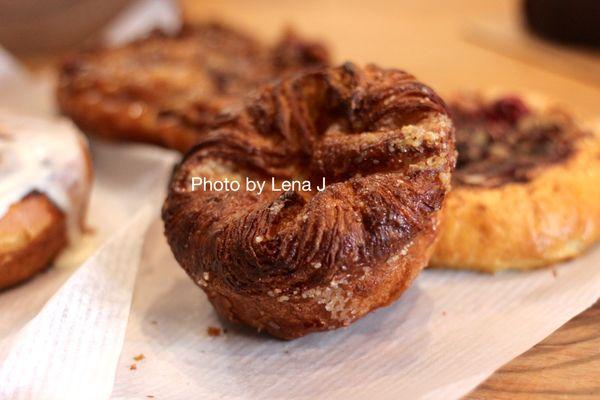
36, 26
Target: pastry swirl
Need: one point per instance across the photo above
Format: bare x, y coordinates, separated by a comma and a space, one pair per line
301, 261
168, 89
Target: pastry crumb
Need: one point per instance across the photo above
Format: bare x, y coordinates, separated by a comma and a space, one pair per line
139, 357
213, 331
133, 367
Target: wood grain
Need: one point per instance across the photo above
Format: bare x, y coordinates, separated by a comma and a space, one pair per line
564, 365
443, 44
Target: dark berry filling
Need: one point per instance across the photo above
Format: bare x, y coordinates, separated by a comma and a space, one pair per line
505, 141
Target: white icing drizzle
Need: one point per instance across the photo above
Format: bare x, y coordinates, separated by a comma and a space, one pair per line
48, 156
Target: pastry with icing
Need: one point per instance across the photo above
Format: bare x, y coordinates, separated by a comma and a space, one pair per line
45, 178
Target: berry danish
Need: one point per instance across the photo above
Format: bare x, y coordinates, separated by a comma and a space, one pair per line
298, 261
45, 177
526, 191
166, 89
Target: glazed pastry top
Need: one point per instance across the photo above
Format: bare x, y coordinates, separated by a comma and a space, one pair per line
44, 156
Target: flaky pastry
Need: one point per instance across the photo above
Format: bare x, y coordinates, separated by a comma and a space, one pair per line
169, 89
298, 261
526, 191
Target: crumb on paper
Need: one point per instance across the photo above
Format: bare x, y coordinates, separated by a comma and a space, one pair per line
139, 357
213, 331
554, 272
154, 322
133, 367
444, 313
150, 396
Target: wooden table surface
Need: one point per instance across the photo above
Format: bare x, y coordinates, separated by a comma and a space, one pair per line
456, 44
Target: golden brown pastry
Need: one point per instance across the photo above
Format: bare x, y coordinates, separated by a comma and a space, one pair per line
168, 89
45, 177
291, 262
526, 191
32, 234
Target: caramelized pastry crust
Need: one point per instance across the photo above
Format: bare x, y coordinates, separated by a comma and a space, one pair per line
32, 233
294, 262
526, 188
168, 89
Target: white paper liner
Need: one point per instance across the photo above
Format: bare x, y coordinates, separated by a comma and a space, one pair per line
441, 339
72, 345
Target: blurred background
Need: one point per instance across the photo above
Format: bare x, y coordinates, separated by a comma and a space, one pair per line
548, 46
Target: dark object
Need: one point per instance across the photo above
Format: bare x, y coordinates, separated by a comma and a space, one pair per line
573, 21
